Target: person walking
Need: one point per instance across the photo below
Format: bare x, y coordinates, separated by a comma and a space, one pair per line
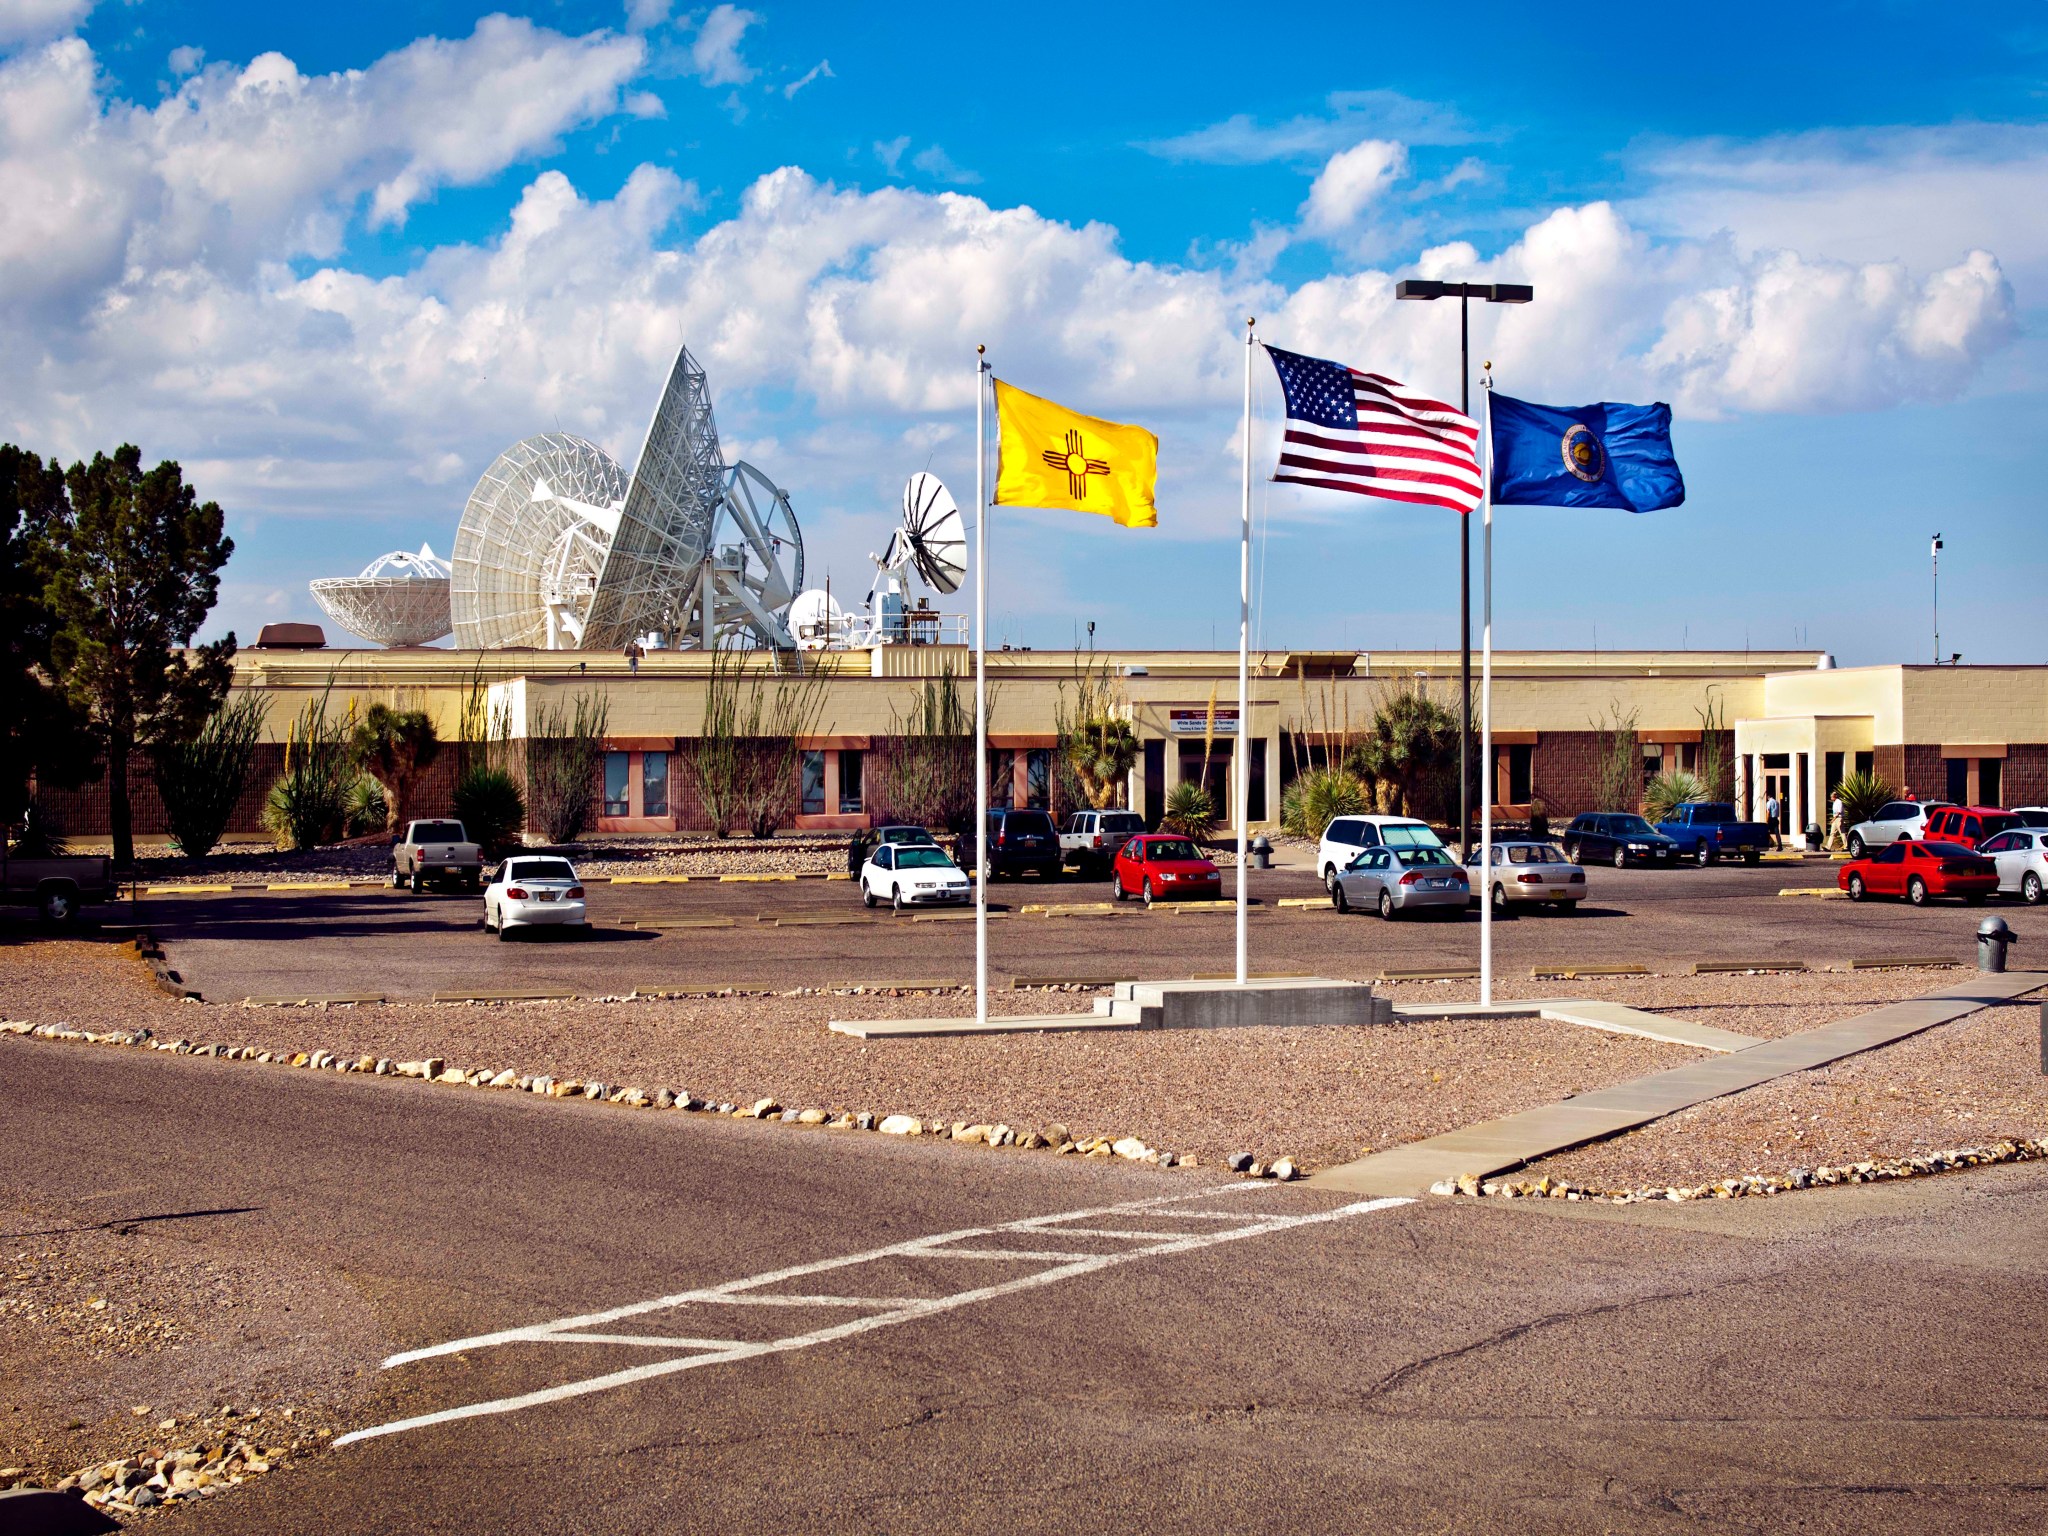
1771, 819
1836, 839
633, 653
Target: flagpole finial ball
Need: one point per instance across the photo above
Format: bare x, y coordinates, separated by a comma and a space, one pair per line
980, 350
1250, 321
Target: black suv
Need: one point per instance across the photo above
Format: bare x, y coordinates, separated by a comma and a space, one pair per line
1619, 838
1023, 840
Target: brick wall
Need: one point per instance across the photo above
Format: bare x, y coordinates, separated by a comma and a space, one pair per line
2026, 776
1564, 772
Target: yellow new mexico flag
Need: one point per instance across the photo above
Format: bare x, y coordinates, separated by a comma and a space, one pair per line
1053, 457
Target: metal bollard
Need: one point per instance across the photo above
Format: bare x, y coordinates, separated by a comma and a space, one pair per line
1994, 934
1262, 852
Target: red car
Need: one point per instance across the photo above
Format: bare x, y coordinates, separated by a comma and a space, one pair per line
1161, 866
1918, 871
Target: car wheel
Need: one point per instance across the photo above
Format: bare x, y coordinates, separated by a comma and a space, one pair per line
58, 904
1572, 852
1500, 901
1148, 893
1116, 886
867, 897
2030, 889
1916, 891
1855, 887
419, 884
1621, 858
1338, 899
1387, 906
896, 899
504, 931
1856, 845
1330, 878
397, 880
1703, 855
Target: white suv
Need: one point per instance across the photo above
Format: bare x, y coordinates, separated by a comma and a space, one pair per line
1347, 836
1896, 821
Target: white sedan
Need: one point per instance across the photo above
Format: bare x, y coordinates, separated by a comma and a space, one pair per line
907, 875
1528, 871
534, 892
2021, 855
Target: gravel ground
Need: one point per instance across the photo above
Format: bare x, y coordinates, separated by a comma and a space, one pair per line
1321, 1095
1975, 1081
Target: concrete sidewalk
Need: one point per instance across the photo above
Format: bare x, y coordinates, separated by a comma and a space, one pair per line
1511, 1142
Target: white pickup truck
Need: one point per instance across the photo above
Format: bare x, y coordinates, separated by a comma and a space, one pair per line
1092, 838
436, 853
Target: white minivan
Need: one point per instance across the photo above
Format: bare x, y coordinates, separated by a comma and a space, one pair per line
1348, 836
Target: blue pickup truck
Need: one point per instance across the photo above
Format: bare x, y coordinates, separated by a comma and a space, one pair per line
1706, 832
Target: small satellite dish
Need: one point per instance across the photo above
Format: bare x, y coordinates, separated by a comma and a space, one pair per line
935, 532
816, 620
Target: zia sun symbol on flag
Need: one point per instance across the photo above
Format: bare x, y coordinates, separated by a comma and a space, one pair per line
1077, 464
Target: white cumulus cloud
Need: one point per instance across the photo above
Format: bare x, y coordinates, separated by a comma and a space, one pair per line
716, 51
1351, 182
33, 21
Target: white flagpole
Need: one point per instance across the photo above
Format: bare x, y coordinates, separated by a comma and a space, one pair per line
980, 688
1487, 775
1242, 778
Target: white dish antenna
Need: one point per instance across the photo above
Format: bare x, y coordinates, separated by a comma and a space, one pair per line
817, 620
558, 549
935, 532
399, 599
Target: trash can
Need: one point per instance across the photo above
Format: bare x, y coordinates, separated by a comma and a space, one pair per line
1262, 852
1814, 837
1994, 935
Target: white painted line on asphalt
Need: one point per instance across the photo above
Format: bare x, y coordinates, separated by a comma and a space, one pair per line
651, 1340
898, 1310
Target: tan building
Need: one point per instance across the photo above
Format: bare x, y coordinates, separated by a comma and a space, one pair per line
1796, 722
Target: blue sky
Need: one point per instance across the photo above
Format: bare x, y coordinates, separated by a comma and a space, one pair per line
334, 259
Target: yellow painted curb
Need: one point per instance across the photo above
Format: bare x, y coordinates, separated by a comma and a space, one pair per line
187, 890
1303, 901
755, 879
650, 879
1823, 892
842, 875
308, 885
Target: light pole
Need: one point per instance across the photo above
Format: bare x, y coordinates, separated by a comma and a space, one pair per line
1934, 567
1464, 293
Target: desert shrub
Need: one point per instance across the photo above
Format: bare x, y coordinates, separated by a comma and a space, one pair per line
562, 764
367, 810
1316, 796
1863, 795
1189, 810
200, 781
491, 809
308, 805
1664, 794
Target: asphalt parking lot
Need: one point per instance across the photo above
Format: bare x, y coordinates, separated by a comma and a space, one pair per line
707, 935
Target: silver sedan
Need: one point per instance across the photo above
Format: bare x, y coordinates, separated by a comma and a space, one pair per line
1395, 880
1532, 873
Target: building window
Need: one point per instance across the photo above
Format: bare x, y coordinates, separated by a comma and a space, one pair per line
1866, 762
1958, 779
617, 784
849, 782
1038, 778
1653, 760
1002, 780
1990, 781
654, 784
813, 799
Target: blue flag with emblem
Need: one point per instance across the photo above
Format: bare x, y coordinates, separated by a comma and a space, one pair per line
1603, 455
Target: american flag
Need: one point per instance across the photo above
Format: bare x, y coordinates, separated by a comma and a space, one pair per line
1362, 432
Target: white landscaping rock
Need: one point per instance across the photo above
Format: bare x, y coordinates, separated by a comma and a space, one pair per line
901, 1125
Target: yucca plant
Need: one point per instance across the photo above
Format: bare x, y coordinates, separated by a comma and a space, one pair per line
366, 809
1189, 810
1664, 794
200, 781
1863, 795
491, 809
1318, 795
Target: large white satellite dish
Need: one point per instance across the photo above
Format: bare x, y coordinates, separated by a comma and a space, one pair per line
399, 599
558, 549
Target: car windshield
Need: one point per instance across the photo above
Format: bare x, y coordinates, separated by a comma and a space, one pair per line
1028, 822
907, 835
922, 858
1122, 821
1162, 849
1416, 836
1949, 851
1630, 826
541, 869
1418, 857
2033, 818
438, 832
